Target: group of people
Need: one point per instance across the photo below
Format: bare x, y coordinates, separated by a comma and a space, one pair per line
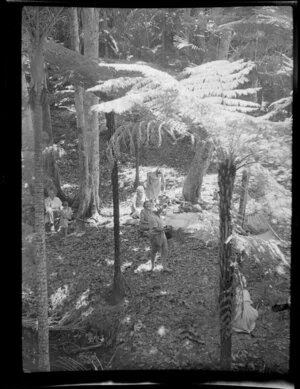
56, 209
150, 223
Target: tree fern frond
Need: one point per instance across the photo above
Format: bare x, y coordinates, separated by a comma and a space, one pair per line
115, 86
181, 42
120, 105
267, 250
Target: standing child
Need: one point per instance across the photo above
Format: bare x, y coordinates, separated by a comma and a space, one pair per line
66, 214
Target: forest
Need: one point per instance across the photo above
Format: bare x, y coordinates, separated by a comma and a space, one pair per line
156, 188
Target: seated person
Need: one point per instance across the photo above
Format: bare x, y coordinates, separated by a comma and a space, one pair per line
145, 216
66, 214
138, 202
53, 208
154, 185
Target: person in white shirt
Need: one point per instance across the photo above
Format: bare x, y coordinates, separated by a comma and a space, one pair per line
138, 202
53, 206
154, 185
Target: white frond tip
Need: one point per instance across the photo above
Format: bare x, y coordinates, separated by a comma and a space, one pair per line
121, 105
115, 85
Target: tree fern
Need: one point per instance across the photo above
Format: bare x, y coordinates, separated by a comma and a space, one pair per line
217, 83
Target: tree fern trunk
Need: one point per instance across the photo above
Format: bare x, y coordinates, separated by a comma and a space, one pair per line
198, 169
118, 286
37, 72
226, 177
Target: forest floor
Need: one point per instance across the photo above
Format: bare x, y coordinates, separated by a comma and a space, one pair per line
167, 320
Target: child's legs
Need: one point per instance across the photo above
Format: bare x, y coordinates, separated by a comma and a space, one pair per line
50, 215
164, 249
155, 248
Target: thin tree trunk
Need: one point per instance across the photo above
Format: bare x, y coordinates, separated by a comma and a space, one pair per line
118, 286
37, 72
243, 198
226, 177
198, 169
50, 166
224, 44
137, 165
27, 138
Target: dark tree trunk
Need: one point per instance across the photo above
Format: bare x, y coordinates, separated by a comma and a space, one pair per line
243, 198
226, 177
118, 286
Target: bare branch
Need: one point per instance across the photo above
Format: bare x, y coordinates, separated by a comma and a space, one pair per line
51, 23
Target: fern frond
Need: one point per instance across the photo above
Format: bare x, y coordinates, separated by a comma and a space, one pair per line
267, 250
181, 42
120, 105
115, 87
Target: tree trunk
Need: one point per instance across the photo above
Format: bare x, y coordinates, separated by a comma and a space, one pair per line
50, 166
87, 122
91, 128
37, 72
198, 169
243, 199
118, 286
224, 44
226, 177
137, 165
81, 201
27, 138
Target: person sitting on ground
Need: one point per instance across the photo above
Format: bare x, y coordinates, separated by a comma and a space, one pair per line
154, 185
138, 202
53, 208
145, 215
66, 214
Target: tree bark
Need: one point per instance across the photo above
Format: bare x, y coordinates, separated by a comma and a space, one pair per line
226, 177
87, 122
224, 44
137, 165
91, 50
118, 285
37, 73
243, 198
27, 138
82, 201
198, 169
50, 166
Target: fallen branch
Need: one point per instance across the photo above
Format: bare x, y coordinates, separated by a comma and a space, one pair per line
92, 347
